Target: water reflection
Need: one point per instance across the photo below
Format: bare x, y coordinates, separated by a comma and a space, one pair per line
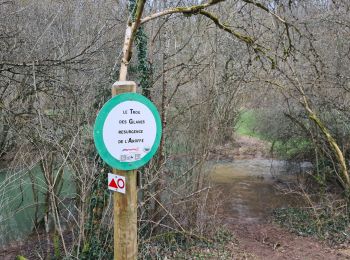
248, 188
20, 206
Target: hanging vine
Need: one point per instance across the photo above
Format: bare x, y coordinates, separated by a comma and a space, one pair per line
143, 67
97, 233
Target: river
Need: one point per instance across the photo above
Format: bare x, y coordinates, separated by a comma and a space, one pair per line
248, 187
17, 204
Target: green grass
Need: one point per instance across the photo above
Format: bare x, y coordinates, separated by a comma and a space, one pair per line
246, 124
293, 147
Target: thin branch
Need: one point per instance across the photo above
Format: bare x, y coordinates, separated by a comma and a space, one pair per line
184, 10
261, 6
279, 18
247, 39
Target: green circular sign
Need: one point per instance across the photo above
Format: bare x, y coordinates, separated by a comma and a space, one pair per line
127, 131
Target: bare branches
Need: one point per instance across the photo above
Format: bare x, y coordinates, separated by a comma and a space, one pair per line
132, 28
279, 18
247, 39
263, 7
184, 10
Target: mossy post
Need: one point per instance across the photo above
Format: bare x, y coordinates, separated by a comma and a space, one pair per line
125, 205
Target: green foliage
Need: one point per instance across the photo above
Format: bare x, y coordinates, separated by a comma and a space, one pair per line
247, 124
19, 257
94, 229
132, 8
177, 245
325, 224
56, 246
276, 130
143, 67
97, 233
164, 245
291, 148
223, 236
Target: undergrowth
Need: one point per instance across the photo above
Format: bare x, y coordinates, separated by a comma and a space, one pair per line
176, 245
334, 227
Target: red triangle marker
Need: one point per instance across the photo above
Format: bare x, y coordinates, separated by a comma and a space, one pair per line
112, 184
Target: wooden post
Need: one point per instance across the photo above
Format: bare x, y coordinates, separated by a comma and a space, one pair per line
125, 205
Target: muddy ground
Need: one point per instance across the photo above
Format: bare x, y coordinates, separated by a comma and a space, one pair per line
267, 241
264, 239
243, 147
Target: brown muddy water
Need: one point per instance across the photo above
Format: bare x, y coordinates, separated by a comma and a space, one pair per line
248, 188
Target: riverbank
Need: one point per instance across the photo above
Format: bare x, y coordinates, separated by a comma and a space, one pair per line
243, 147
246, 231
268, 241
246, 188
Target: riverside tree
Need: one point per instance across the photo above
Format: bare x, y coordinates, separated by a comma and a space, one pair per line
199, 61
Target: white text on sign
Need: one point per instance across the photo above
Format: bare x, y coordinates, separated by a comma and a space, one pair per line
129, 131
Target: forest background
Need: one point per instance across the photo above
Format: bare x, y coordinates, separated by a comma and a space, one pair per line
203, 64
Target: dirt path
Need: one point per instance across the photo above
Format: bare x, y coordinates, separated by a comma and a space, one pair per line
263, 239
267, 241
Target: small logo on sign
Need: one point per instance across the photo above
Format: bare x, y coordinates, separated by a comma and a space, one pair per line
130, 149
116, 183
128, 157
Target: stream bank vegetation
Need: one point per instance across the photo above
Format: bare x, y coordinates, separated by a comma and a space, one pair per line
201, 63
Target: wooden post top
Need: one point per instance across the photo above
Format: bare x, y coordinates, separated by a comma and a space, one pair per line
119, 87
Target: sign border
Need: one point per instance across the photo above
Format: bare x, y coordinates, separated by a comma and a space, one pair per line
100, 121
